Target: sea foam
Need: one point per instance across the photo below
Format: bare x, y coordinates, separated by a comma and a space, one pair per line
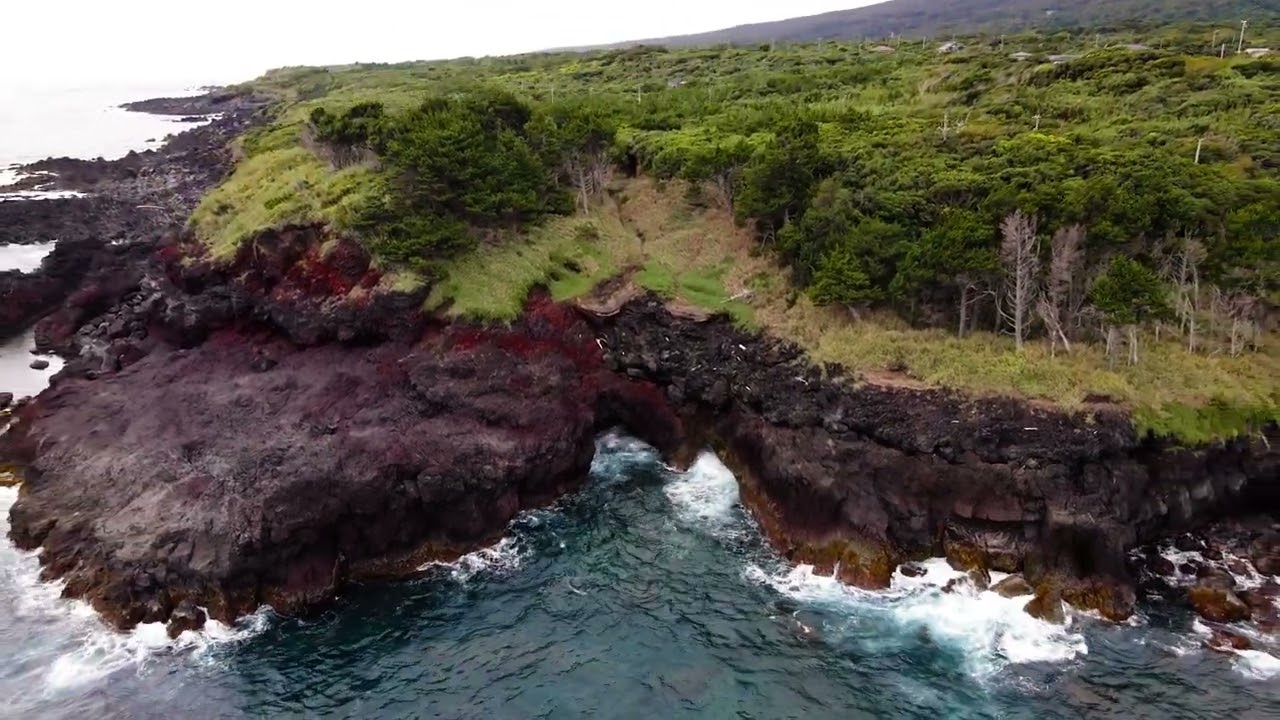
75, 646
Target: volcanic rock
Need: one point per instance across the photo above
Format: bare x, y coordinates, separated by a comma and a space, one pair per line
1217, 604
1013, 586
1047, 605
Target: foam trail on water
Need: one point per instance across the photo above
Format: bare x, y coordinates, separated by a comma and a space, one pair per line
991, 631
75, 646
1257, 665
706, 494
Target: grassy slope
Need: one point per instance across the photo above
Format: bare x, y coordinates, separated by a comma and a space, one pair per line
698, 257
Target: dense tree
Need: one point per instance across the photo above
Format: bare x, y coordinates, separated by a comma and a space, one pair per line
1127, 294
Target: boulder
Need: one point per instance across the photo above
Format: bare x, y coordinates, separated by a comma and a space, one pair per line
1265, 553
1224, 640
1216, 577
1047, 605
1013, 586
39, 364
912, 570
980, 578
6, 399
185, 617
1188, 543
1161, 565
1217, 604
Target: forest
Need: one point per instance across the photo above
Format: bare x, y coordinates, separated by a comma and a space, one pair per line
1077, 189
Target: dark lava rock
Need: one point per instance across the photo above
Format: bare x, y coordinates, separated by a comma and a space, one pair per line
431, 448
1261, 607
1189, 568
1210, 576
1224, 640
39, 364
1013, 586
912, 570
185, 617
1161, 565
1047, 605
263, 363
1189, 543
1236, 566
6, 399
1265, 554
981, 579
1213, 553
1217, 604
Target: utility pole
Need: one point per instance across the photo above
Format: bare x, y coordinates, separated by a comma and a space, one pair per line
1199, 145
1223, 52
1214, 41
1240, 47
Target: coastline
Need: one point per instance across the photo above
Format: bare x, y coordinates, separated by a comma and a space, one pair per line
184, 367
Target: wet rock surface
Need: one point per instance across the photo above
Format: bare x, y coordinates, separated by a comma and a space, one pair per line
133, 205
264, 430
885, 474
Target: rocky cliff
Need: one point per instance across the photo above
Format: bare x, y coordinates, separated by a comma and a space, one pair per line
262, 431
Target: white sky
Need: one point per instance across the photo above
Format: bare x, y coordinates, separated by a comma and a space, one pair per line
56, 42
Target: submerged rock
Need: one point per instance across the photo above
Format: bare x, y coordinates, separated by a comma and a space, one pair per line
912, 570
1224, 640
1265, 554
39, 364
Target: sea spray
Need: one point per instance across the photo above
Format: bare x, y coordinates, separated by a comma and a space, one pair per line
75, 647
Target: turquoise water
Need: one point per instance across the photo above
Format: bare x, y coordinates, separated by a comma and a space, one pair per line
649, 594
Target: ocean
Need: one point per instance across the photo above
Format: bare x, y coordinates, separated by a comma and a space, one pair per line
649, 594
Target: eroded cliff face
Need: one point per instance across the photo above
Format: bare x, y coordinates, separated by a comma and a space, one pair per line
284, 423
857, 478
286, 426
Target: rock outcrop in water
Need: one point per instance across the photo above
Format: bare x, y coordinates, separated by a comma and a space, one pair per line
856, 478
134, 203
263, 431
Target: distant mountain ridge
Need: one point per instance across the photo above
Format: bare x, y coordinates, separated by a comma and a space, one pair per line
933, 17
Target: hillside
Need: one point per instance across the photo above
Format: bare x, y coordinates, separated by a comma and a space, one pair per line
915, 18
856, 200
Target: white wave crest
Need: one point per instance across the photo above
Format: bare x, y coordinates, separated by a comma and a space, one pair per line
991, 631
1257, 665
71, 644
505, 556
706, 493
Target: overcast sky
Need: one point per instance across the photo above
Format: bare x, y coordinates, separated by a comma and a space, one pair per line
151, 41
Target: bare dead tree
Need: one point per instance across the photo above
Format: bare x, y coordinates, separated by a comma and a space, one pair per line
1054, 303
1185, 275
1242, 309
1020, 255
589, 171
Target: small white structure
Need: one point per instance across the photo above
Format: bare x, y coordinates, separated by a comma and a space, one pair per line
1059, 59
1257, 52
882, 49
1135, 47
950, 47
1021, 56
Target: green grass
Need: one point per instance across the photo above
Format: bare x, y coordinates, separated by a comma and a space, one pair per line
568, 255
1194, 398
278, 188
